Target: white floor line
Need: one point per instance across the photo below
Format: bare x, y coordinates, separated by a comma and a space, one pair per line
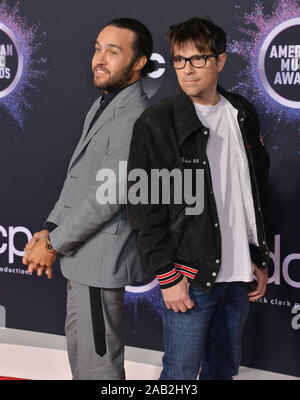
50, 364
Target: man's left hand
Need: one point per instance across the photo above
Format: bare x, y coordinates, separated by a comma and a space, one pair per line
261, 285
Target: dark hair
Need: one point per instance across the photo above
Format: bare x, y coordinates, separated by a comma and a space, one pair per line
206, 36
143, 43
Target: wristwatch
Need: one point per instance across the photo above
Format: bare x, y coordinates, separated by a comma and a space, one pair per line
49, 246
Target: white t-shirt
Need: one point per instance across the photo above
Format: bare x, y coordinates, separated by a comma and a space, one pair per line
232, 189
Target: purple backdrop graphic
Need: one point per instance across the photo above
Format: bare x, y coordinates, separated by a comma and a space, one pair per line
26, 42
45, 91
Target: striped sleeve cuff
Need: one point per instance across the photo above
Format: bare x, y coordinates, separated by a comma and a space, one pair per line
169, 279
187, 271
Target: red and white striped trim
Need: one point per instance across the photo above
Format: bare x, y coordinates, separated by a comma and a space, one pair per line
187, 271
171, 276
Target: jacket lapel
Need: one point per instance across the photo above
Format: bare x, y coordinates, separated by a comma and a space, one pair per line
87, 122
89, 117
85, 139
106, 115
118, 102
186, 119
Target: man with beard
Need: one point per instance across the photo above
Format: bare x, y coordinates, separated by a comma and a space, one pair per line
96, 244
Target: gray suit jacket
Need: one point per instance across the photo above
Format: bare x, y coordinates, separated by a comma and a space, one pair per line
96, 241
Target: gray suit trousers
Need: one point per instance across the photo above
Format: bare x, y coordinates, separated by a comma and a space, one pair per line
91, 324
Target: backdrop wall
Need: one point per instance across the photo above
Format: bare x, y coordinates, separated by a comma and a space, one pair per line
45, 91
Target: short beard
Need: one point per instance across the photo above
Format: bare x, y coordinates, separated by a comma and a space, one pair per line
119, 80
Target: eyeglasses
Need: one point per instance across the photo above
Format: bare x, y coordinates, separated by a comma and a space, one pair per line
197, 61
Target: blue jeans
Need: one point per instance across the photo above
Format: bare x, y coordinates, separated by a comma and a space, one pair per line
209, 335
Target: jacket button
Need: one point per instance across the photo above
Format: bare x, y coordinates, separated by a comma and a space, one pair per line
216, 224
263, 242
214, 274
208, 284
217, 261
205, 132
242, 119
263, 263
204, 162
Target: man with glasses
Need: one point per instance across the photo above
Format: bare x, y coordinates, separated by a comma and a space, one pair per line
205, 262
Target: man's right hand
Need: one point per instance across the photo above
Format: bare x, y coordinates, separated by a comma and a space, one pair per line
28, 249
29, 246
177, 297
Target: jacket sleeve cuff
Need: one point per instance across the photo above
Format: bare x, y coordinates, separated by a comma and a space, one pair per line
257, 257
56, 246
169, 279
189, 272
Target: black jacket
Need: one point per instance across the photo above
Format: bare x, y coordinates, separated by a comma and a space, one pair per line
170, 135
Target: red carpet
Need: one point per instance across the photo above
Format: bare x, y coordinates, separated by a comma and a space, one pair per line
7, 378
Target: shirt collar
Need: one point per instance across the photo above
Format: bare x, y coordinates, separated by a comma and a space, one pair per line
186, 119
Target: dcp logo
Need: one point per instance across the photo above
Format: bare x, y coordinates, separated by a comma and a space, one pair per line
279, 62
11, 61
